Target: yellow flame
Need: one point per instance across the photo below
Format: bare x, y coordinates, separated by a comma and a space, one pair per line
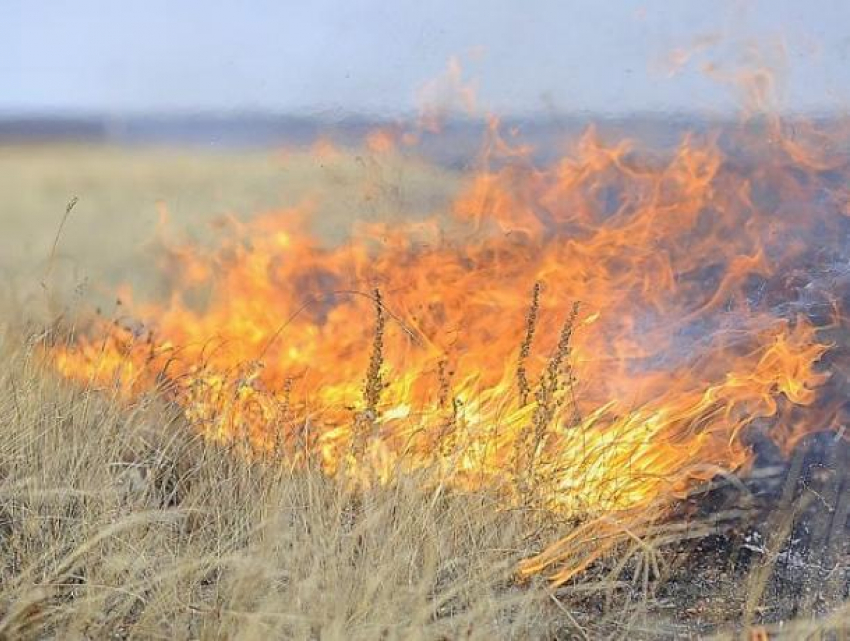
677, 349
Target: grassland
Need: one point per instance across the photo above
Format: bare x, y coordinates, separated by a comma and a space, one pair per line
121, 524
118, 521
109, 238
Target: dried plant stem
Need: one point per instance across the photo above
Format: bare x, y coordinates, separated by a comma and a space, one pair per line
374, 384
548, 400
525, 349
69, 207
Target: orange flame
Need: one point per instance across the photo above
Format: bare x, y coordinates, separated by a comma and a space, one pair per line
695, 274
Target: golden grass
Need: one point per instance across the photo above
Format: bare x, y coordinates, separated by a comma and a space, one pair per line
110, 238
117, 521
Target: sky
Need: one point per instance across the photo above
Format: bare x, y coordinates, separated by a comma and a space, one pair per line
391, 57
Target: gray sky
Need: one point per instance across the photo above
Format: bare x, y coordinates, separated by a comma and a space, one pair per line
135, 56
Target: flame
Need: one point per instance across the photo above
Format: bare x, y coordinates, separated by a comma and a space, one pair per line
600, 332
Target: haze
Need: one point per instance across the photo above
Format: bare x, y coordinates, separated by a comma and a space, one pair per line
157, 56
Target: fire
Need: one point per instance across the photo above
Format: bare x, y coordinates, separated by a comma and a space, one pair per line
599, 332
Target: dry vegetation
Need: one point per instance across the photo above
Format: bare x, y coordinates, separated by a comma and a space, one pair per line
111, 237
120, 522
117, 521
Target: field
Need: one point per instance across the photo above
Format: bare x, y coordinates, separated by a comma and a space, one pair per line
118, 520
109, 238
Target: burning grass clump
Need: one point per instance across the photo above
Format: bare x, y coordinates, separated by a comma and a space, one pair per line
122, 519
119, 521
268, 460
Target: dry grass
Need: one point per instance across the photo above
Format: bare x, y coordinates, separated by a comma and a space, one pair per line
110, 238
117, 521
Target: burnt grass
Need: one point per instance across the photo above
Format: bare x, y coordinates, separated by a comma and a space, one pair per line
778, 553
